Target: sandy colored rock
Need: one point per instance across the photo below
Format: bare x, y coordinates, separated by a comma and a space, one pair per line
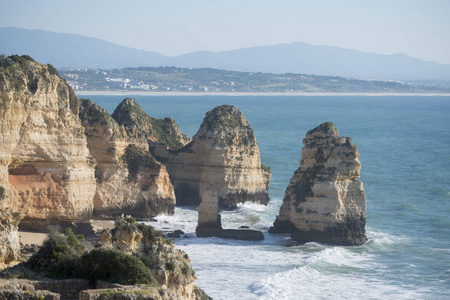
224, 152
161, 134
171, 267
9, 238
129, 179
324, 201
209, 224
46, 169
208, 209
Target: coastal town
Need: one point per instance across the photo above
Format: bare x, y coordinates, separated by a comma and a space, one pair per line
173, 79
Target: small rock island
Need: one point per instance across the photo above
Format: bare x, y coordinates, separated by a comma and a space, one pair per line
324, 201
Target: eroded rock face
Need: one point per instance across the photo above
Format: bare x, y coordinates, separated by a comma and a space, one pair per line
9, 238
224, 152
171, 267
128, 178
209, 223
208, 209
45, 166
324, 201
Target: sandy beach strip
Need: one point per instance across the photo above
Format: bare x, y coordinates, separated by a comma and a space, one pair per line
38, 238
28, 237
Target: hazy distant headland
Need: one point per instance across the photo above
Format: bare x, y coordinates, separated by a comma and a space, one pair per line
172, 80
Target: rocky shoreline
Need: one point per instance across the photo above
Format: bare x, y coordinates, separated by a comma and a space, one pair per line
65, 161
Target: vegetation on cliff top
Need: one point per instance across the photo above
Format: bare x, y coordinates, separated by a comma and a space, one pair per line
93, 114
16, 69
324, 128
231, 126
136, 121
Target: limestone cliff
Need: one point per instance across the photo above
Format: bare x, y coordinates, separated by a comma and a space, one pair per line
46, 169
171, 267
129, 179
224, 152
9, 238
324, 201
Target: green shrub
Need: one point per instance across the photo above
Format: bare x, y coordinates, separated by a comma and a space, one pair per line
59, 256
2, 193
266, 168
170, 266
149, 232
5, 61
136, 159
185, 269
115, 266
52, 69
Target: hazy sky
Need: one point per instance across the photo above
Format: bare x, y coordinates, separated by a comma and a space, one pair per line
420, 28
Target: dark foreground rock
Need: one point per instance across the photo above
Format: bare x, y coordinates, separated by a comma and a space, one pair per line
234, 234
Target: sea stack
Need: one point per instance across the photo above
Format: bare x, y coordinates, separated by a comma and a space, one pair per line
209, 224
129, 179
208, 212
223, 152
46, 170
324, 201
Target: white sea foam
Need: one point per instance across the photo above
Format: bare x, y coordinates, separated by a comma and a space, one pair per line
307, 283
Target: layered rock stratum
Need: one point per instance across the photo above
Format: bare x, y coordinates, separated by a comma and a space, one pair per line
129, 179
62, 159
46, 169
324, 201
223, 152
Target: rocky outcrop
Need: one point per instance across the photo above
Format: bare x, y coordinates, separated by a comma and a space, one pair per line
324, 201
171, 267
138, 293
209, 224
224, 152
128, 178
28, 295
9, 238
161, 134
46, 169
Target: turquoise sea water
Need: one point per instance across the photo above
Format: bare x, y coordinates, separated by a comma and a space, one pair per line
404, 144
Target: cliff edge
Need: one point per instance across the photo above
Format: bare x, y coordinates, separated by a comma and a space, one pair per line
46, 169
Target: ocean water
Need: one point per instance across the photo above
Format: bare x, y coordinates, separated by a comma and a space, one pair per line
404, 144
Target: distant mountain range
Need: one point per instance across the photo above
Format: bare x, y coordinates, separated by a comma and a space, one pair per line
75, 51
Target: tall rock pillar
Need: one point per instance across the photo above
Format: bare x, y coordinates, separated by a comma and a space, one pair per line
324, 201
